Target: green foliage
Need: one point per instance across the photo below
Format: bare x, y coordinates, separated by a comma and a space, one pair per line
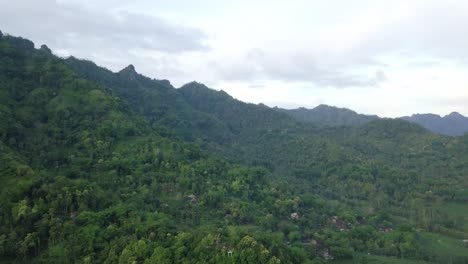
102, 167
329, 116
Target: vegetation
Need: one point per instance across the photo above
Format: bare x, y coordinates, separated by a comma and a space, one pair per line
102, 167
329, 116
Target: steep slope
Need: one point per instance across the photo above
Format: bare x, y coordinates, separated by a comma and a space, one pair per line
157, 100
238, 115
84, 179
453, 124
329, 116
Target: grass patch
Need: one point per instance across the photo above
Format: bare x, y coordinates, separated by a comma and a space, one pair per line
443, 248
458, 211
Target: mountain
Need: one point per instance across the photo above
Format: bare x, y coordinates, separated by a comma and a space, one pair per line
453, 124
115, 167
329, 116
156, 100
86, 179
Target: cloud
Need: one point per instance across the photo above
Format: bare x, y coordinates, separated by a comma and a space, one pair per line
355, 51
431, 29
102, 35
256, 85
260, 65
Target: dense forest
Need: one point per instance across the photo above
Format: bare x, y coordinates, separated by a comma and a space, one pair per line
104, 167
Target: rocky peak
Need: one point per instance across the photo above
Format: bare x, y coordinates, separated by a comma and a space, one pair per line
194, 84
128, 72
45, 49
129, 68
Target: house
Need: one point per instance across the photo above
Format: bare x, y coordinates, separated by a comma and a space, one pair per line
326, 254
295, 216
192, 198
340, 224
73, 214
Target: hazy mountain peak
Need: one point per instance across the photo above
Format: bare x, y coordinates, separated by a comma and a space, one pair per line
199, 89
453, 124
129, 68
46, 49
326, 107
166, 82
194, 84
129, 72
455, 115
329, 116
426, 115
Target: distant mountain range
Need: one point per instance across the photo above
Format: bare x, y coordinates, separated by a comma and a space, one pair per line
329, 116
453, 124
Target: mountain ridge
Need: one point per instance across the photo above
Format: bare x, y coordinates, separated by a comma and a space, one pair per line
111, 167
453, 124
330, 116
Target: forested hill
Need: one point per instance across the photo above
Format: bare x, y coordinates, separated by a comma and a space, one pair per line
329, 116
104, 167
156, 100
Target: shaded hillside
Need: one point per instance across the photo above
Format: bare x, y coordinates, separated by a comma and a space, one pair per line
329, 116
156, 100
241, 117
453, 124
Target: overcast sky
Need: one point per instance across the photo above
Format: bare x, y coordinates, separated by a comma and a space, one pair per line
390, 58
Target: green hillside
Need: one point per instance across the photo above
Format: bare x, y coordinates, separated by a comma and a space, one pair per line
103, 167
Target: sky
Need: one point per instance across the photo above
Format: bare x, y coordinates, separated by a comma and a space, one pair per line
391, 58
